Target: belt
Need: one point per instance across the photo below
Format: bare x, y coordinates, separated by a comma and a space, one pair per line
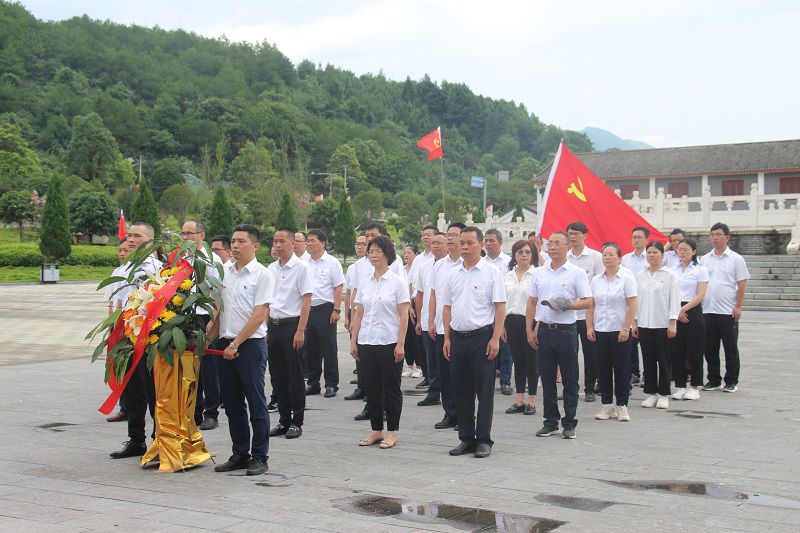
547, 325
282, 321
464, 334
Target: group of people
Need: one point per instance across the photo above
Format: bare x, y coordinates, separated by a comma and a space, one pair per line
460, 313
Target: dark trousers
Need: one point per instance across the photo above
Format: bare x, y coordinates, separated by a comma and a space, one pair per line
613, 367
504, 362
558, 347
383, 384
655, 360
139, 397
242, 379
286, 368
722, 328
524, 355
473, 376
634, 344
434, 379
686, 349
207, 403
445, 379
321, 346
589, 358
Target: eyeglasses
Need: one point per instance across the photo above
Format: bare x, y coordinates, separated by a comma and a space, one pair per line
375, 251
189, 233
361, 244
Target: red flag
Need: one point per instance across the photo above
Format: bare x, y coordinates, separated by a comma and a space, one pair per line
574, 193
122, 230
432, 142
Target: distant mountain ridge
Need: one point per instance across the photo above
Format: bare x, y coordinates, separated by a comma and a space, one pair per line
602, 140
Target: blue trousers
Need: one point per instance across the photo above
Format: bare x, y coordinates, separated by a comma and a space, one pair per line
445, 379
434, 379
505, 362
558, 347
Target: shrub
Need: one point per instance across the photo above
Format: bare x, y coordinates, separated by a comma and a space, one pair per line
28, 255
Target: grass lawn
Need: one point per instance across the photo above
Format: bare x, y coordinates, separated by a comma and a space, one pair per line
67, 273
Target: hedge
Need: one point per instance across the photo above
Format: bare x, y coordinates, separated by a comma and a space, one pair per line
28, 255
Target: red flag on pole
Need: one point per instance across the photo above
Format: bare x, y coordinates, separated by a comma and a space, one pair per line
575, 193
432, 142
122, 230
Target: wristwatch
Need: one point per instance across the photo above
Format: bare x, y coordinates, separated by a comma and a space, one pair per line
233, 345
337, 310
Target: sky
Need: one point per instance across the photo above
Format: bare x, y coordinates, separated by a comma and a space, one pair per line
668, 73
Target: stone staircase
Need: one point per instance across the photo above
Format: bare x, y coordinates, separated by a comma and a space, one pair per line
774, 283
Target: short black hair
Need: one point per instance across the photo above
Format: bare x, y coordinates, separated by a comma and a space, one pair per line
639, 228
691, 243
285, 229
376, 225
251, 230
496, 233
414, 248
474, 229
562, 233
224, 239
721, 225
459, 225
443, 234
319, 234
655, 244
677, 231
613, 245
303, 233
429, 226
386, 245
578, 226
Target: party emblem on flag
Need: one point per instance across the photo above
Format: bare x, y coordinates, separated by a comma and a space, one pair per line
574, 190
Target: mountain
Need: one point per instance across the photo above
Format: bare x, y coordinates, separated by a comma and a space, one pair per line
604, 139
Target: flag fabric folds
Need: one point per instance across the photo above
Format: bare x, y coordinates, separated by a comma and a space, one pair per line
574, 193
122, 230
432, 142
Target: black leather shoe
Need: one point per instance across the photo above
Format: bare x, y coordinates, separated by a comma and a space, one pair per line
514, 409
119, 417
293, 432
236, 462
483, 450
506, 389
208, 424
330, 392
530, 409
445, 423
363, 415
428, 400
278, 430
463, 448
590, 397
312, 389
131, 449
272, 407
358, 394
422, 384
257, 467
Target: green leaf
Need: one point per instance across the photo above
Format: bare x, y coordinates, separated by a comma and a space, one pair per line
151, 358
109, 321
199, 271
200, 345
99, 350
220, 269
177, 320
168, 357
180, 340
109, 280
165, 339
204, 289
190, 301
208, 308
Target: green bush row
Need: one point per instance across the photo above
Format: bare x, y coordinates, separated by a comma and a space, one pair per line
28, 255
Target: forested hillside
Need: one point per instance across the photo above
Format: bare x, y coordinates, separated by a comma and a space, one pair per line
87, 99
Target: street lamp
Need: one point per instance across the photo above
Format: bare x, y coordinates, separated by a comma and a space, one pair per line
330, 182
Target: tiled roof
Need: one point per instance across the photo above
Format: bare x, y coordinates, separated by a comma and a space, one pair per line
772, 156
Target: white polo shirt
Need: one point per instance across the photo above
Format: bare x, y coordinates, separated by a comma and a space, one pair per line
380, 297
419, 261
441, 271
611, 299
366, 269
242, 291
292, 282
689, 279
305, 256
423, 284
634, 263
326, 275
471, 295
658, 299
591, 261
352, 277
724, 273
568, 281
671, 259
500, 262
517, 290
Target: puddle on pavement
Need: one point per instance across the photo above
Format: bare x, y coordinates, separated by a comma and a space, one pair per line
572, 502
712, 490
465, 518
55, 426
691, 413
413, 392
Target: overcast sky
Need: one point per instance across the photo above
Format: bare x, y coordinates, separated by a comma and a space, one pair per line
669, 73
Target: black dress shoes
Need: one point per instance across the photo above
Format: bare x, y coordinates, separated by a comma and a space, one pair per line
422, 384
428, 400
131, 449
208, 424
363, 415
514, 409
463, 448
293, 432
119, 417
312, 389
483, 450
278, 430
236, 462
358, 394
445, 423
330, 392
590, 397
256, 467
505, 389
272, 407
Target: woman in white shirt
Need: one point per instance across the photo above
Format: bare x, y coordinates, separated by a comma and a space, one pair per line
414, 355
524, 260
608, 324
378, 332
687, 346
656, 318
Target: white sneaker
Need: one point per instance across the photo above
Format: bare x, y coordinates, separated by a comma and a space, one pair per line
692, 394
417, 373
606, 412
622, 413
407, 372
662, 402
679, 394
650, 401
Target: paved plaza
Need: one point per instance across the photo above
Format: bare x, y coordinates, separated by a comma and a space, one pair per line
728, 462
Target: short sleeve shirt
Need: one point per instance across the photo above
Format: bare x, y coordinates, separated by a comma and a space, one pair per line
517, 291
292, 282
689, 279
242, 291
326, 275
441, 271
611, 299
568, 281
380, 324
724, 273
591, 261
471, 295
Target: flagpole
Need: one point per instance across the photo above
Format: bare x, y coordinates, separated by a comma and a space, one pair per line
441, 166
542, 208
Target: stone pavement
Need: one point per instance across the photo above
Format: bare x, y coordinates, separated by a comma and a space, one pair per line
55, 474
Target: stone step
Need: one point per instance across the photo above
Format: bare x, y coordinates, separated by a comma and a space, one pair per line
781, 283
772, 258
766, 276
772, 296
774, 269
766, 308
772, 303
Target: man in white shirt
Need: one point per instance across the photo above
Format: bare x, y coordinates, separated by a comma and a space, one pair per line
591, 261
351, 277
493, 242
474, 298
562, 289
288, 318
221, 245
426, 257
439, 274
114, 302
247, 291
636, 261
722, 308
326, 299
671, 259
300, 239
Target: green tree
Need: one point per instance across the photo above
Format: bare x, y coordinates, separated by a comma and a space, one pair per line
343, 232
287, 216
16, 208
253, 165
177, 200
220, 215
93, 213
16, 159
55, 237
323, 215
167, 173
92, 152
345, 156
145, 209
367, 205
527, 169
